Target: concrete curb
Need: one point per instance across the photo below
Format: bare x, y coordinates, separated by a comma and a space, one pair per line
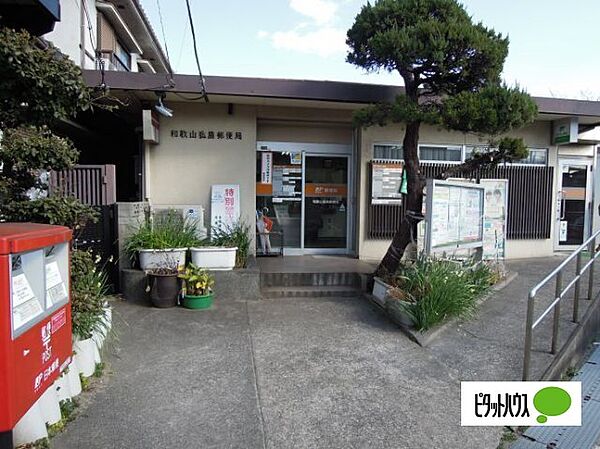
425, 338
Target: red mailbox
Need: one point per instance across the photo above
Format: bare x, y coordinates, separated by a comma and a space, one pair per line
35, 314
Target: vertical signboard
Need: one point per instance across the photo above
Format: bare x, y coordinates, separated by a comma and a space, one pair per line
495, 218
266, 168
224, 205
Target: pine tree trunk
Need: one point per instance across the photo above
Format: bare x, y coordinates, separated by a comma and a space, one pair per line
414, 203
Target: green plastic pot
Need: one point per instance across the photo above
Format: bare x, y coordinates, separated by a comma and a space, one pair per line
198, 302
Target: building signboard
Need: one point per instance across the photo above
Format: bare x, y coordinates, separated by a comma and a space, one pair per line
565, 131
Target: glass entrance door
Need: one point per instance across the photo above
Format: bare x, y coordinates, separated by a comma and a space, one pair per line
325, 222
572, 203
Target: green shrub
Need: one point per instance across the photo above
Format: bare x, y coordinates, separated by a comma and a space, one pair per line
89, 289
55, 210
431, 290
166, 231
237, 235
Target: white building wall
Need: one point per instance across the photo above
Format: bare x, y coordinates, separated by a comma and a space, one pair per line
181, 171
67, 34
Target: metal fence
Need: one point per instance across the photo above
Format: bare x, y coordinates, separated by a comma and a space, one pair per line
529, 202
560, 292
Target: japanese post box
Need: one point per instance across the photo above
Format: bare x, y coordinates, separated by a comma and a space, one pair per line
35, 314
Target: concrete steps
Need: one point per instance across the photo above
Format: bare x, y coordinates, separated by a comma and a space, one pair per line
310, 292
312, 285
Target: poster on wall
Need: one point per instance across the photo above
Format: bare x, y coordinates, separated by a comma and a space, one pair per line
454, 215
386, 183
495, 218
224, 205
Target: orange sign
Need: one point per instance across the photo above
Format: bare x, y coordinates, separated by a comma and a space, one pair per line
324, 190
264, 189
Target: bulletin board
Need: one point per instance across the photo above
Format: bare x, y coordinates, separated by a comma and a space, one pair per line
454, 215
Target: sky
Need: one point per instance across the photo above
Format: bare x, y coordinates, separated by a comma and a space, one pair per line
554, 44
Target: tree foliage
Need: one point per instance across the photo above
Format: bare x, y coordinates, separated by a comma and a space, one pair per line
38, 87
432, 42
451, 70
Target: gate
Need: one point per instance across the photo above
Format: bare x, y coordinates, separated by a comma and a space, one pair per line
95, 186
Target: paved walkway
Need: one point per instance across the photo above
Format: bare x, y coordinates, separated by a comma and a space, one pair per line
298, 373
588, 435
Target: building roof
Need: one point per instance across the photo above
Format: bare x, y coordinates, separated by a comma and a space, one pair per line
327, 91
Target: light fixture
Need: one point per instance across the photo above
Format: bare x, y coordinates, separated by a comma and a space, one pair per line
161, 108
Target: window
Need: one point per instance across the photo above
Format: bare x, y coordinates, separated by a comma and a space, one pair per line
430, 153
537, 156
386, 151
123, 58
452, 153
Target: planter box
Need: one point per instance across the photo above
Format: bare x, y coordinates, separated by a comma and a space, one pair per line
380, 290
214, 257
31, 427
85, 354
397, 314
161, 258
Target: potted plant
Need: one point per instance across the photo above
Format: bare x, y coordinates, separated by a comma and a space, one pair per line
89, 289
197, 287
380, 290
164, 286
228, 248
162, 239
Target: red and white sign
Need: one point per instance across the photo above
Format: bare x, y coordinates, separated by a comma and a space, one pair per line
225, 206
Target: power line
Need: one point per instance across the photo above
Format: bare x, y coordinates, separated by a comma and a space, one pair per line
187, 25
202, 85
162, 27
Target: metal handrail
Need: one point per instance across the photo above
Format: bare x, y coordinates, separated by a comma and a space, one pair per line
560, 292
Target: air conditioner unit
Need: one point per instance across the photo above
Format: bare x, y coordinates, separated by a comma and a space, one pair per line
193, 213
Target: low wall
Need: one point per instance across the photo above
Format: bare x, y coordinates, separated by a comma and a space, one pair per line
238, 284
576, 347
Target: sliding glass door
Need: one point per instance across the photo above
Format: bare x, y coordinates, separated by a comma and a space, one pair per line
325, 202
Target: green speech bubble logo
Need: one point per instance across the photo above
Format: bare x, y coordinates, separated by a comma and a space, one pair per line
551, 401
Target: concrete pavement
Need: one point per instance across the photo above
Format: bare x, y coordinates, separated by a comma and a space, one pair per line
298, 373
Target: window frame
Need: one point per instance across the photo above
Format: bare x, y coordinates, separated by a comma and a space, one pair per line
463, 153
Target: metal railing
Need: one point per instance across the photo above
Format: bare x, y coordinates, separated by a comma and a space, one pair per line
559, 294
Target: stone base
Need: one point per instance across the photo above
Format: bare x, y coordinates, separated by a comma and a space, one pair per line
230, 285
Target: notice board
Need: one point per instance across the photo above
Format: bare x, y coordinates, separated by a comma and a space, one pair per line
386, 182
495, 218
454, 215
